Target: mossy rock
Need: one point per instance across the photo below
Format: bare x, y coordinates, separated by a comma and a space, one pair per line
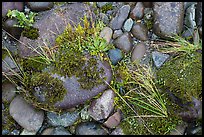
182, 75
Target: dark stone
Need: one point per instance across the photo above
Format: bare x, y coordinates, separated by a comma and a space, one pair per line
115, 55
40, 6
140, 31
198, 14
11, 6
138, 12
168, 18
148, 4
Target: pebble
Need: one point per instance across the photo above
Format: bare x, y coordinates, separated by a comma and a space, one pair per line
106, 34
113, 121
115, 56
128, 25
102, 107
8, 91
26, 115
117, 131
40, 6
140, 31
159, 58
138, 52
117, 33
124, 42
138, 12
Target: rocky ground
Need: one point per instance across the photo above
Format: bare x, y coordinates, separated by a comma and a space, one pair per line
136, 29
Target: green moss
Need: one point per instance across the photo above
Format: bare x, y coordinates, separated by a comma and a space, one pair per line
106, 8
31, 32
183, 75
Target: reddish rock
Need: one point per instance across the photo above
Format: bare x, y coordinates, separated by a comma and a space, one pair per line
113, 120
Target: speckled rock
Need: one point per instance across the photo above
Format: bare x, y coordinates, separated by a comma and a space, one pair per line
121, 16
65, 119
26, 115
138, 12
8, 91
102, 107
115, 55
117, 131
140, 31
40, 6
159, 58
113, 120
138, 52
128, 25
117, 33
11, 6
124, 42
168, 18
106, 34
198, 14
90, 128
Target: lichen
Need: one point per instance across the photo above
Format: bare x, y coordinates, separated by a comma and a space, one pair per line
31, 32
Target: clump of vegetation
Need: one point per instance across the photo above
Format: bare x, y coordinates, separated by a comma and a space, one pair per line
31, 32
106, 7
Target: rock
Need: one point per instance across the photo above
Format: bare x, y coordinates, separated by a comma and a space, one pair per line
25, 114
159, 58
90, 128
8, 91
26, 132
8, 65
113, 120
187, 4
101, 4
140, 31
138, 52
124, 42
189, 19
197, 130
179, 130
121, 16
8, 25
48, 32
60, 131
102, 107
103, 17
117, 131
148, 4
117, 33
138, 12
106, 34
11, 6
198, 14
65, 119
168, 18
47, 131
128, 25
115, 55
15, 132
40, 6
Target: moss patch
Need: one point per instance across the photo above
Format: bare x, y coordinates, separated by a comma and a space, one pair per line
30, 32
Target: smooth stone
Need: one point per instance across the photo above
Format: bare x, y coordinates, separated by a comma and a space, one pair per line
138, 52
90, 128
106, 34
102, 107
159, 58
121, 16
26, 132
40, 6
124, 42
198, 14
113, 121
115, 56
140, 31
103, 17
138, 12
128, 25
11, 6
65, 119
148, 4
8, 91
26, 115
168, 18
8, 64
117, 33
117, 131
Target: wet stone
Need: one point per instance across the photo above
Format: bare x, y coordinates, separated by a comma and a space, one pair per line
128, 25
159, 58
115, 55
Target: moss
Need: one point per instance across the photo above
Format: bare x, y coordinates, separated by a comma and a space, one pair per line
31, 32
106, 7
182, 75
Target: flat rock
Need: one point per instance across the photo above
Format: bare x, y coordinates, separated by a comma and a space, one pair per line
121, 16
102, 107
168, 18
138, 52
159, 58
40, 6
26, 115
8, 91
115, 55
140, 31
106, 34
138, 12
124, 42
11, 6
113, 120
128, 25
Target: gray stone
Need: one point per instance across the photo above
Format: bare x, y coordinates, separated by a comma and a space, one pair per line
124, 42
65, 119
106, 34
40, 6
103, 17
8, 65
189, 19
60, 131
26, 115
113, 120
8, 91
140, 31
138, 12
11, 6
90, 128
115, 55
198, 14
128, 25
26, 132
138, 52
168, 18
121, 16
47, 131
102, 107
117, 131
159, 58
117, 33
